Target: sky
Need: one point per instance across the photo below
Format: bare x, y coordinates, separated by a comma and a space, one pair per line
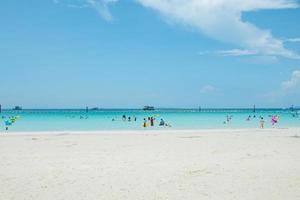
165, 53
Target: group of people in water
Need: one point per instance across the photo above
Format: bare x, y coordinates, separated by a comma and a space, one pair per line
274, 120
150, 122
147, 122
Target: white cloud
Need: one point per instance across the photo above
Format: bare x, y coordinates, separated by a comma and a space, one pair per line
222, 20
236, 52
293, 82
230, 52
208, 89
101, 7
293, 40
288, 90
219, 19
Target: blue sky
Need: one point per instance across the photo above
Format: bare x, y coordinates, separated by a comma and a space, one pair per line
166, 53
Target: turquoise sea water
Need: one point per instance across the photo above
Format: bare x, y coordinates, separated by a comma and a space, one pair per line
79, 120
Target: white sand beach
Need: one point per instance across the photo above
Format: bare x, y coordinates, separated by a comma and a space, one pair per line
151, 165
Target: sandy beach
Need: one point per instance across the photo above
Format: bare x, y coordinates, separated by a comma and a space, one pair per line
150, 165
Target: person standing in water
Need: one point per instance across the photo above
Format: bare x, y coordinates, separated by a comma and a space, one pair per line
274, 120
145, 123
262, 123
248, 118
162, 122
152, 121
228, 119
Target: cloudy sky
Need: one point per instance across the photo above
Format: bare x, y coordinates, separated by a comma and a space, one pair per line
166, 53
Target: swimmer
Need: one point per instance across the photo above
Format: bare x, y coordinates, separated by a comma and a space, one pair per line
129, 119
124, 117
168, 125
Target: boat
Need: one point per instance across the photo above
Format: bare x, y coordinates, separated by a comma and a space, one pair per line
95, 109
17, 108
146, 108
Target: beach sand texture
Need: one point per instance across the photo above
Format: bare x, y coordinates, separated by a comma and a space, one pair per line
151, 165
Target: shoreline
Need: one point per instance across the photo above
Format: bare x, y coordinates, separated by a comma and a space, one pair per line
149, 131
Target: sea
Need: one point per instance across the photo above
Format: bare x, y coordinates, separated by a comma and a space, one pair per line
48, 120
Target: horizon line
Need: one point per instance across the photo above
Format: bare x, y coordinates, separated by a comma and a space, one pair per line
157, 108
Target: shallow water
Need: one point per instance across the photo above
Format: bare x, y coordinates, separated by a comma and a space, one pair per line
79, 120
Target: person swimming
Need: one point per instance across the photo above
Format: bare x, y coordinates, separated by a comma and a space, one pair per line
168, 125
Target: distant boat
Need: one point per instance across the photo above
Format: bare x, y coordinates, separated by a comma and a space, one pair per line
94, 109
17, 108
148, 108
